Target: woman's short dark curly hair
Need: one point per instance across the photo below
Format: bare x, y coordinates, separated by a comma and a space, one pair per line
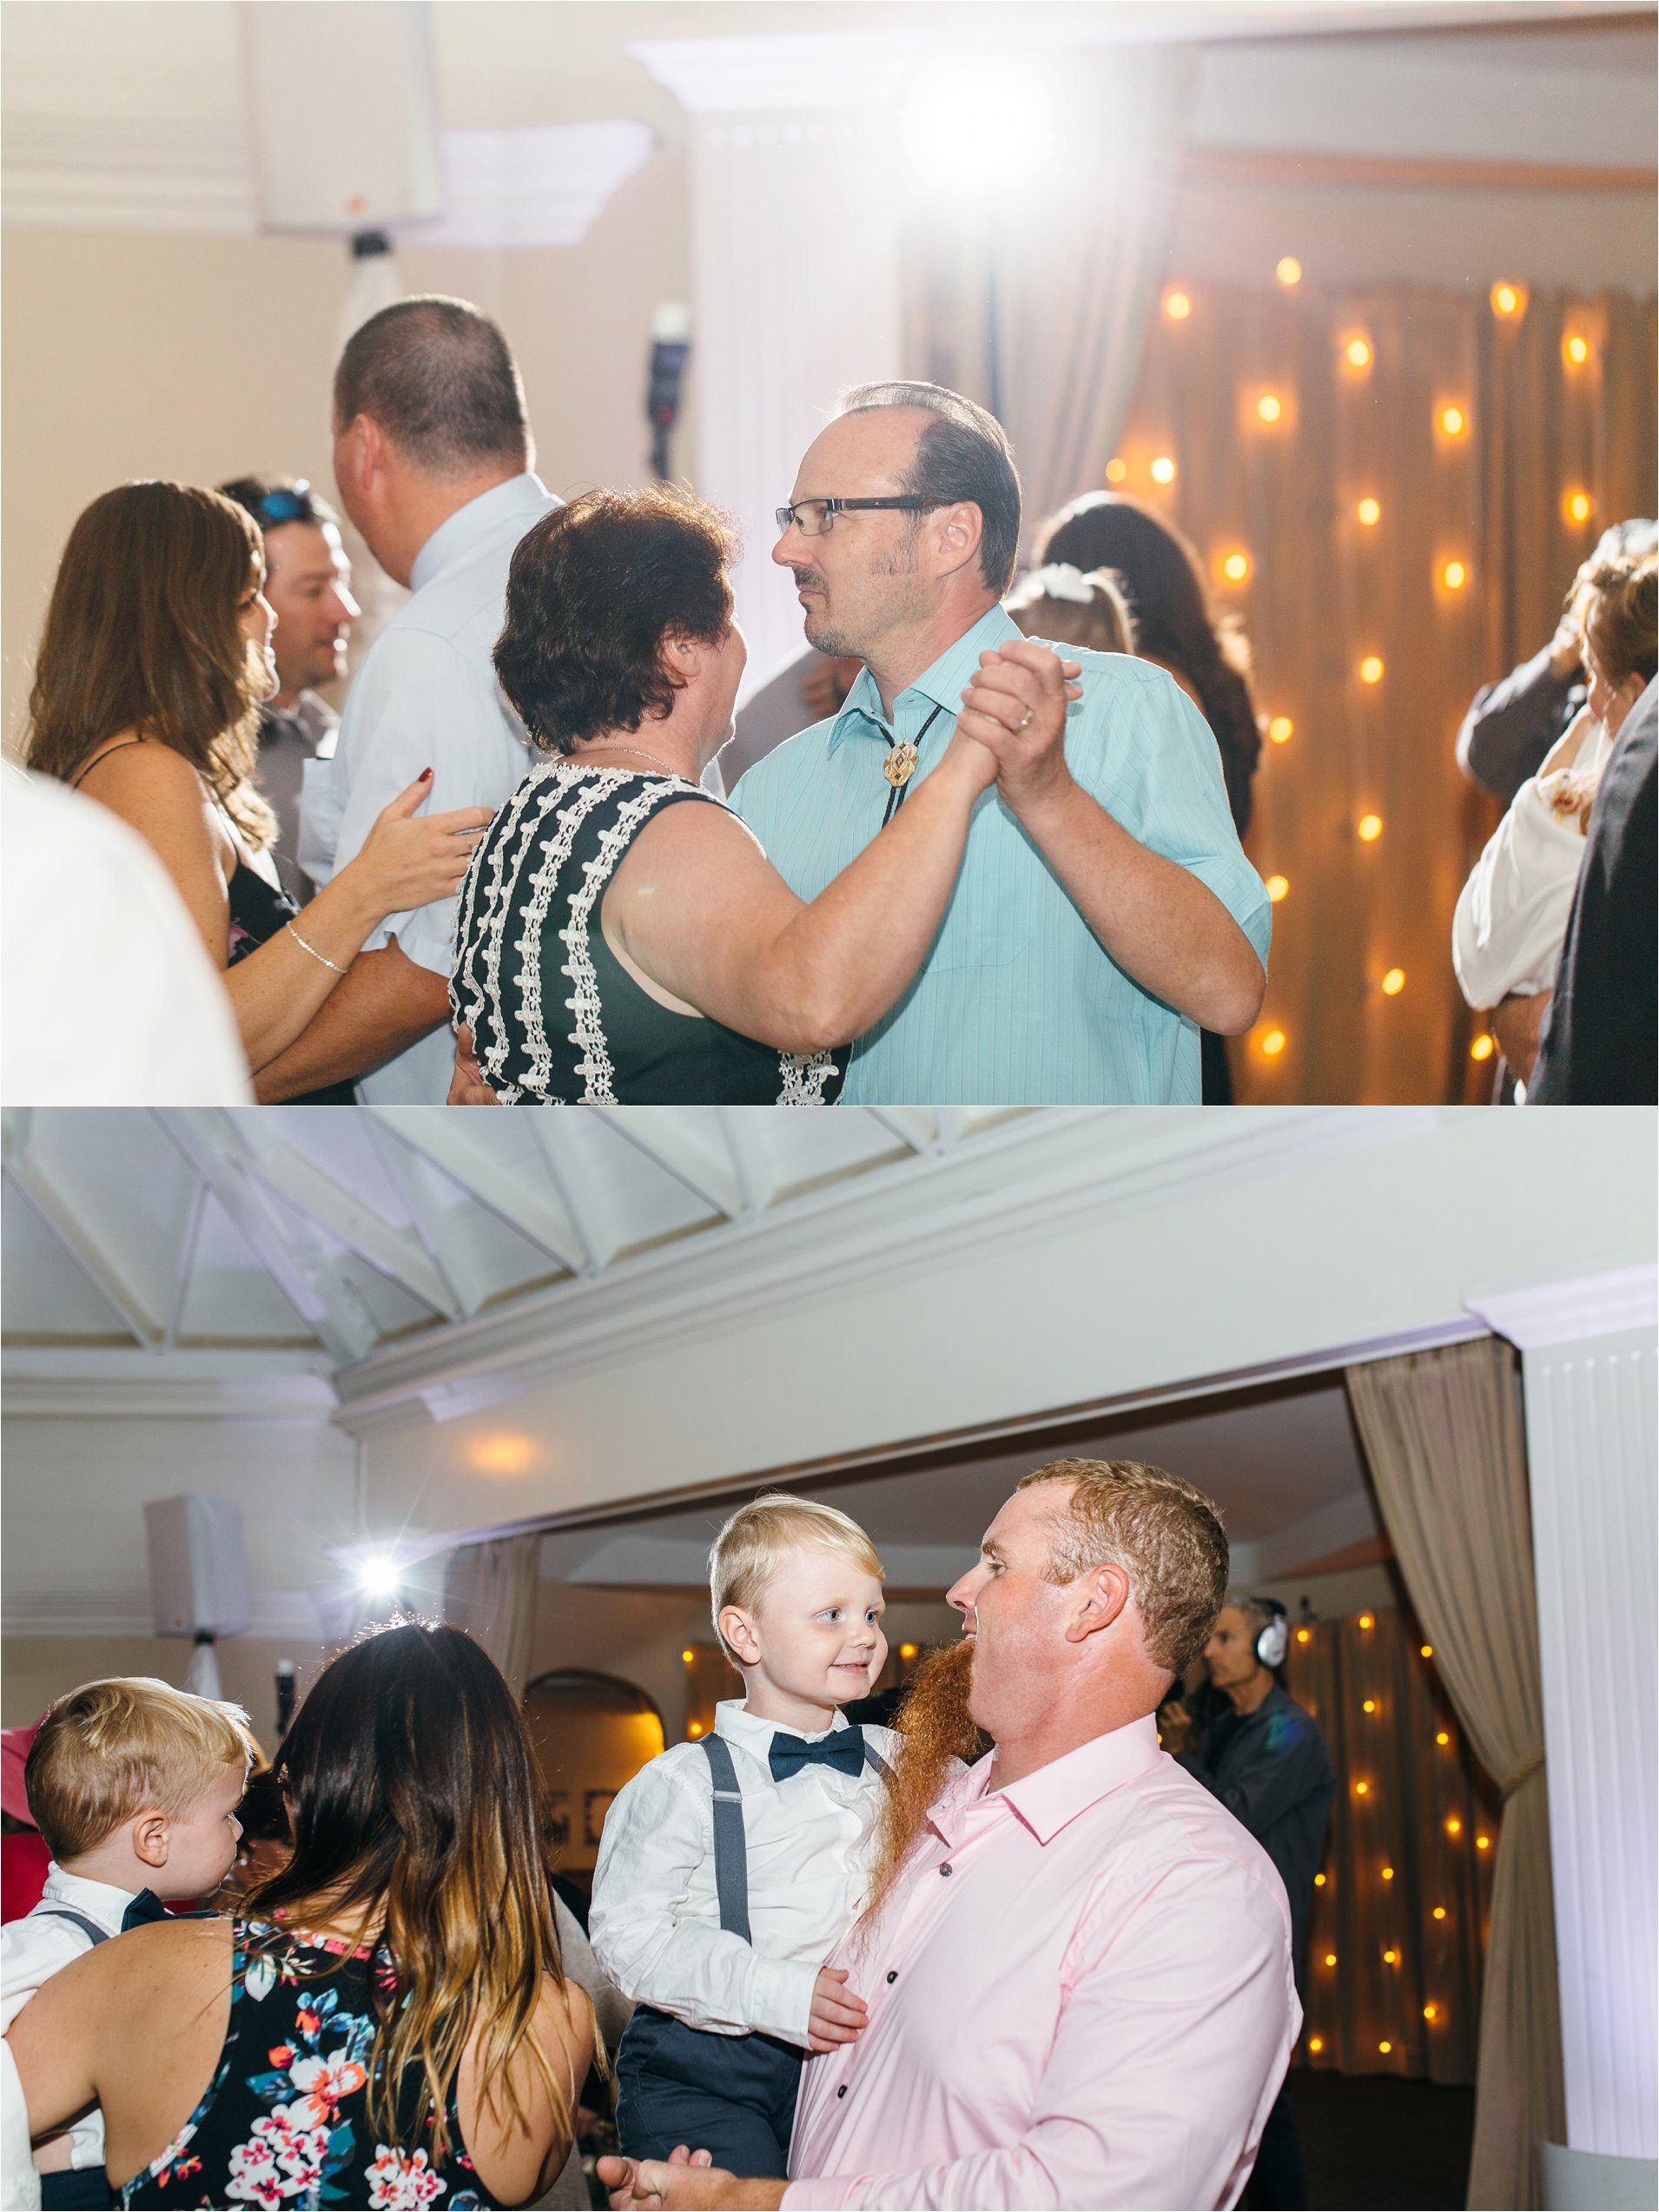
595, 590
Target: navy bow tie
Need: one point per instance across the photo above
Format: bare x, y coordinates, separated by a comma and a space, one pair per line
844, 1749
145, 1907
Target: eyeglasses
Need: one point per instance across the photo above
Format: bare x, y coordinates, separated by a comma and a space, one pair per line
289, 503
813, 517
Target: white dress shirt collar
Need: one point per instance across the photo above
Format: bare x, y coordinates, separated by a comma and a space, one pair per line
519, 498
733, 1720
100, 1901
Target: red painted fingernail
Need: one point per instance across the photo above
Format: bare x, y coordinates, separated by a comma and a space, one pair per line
424, 776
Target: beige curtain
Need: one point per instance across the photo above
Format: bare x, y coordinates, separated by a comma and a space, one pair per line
1442, 1433
1060, 276
490, 1590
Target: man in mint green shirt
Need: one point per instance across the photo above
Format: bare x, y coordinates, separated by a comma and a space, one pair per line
1105, 911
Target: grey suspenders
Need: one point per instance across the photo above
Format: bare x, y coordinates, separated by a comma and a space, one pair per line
64, 1912
730, 1845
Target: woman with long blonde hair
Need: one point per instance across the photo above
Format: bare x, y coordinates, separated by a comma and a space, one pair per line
387, 2021
154, 658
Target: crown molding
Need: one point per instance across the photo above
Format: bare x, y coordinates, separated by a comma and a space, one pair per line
501, 188
1572, 1312
278, 1616
533, 187
71, 172
115, 1385
1004, 1186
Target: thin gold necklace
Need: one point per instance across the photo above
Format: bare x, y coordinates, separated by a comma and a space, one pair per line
640, 753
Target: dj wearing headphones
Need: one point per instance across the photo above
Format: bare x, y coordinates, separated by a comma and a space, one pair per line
1264, 1757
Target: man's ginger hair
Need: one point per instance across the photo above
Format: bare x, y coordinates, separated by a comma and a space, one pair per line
760, 1535
128, 1745
1166, 1536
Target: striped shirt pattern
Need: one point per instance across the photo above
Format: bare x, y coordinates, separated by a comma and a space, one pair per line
1016, 1003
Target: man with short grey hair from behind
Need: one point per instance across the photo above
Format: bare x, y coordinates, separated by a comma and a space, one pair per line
1103, 911
434, 458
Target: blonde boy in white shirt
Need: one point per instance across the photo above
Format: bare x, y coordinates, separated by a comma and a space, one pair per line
731, 1868
135, 1787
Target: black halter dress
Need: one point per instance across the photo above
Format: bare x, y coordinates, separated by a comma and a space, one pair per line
556, 1019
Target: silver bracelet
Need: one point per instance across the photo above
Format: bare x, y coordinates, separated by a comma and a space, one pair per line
311, 949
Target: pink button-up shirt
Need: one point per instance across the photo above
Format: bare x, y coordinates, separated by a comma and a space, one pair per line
1080, 1994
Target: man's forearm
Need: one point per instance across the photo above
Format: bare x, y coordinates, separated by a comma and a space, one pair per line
383, 1006
1159, 922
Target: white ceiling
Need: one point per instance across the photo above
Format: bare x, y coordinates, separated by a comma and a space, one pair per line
300, 1236
132, 113
1282, 1462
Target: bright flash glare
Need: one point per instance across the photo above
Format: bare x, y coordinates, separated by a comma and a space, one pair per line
379, 1575
997, 111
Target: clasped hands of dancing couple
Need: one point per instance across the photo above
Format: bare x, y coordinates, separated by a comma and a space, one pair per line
1009, 734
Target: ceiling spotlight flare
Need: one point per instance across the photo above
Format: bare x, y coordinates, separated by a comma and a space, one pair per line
1453, 420
1578, 506
1177, 306
1576, 349
1369, 511
1269, 407
1236, 567
1356, 350
1280, 729
1116, 469
1163, 470
1004, 113
1289, 272
1454, 576
1508, 301
378, 1576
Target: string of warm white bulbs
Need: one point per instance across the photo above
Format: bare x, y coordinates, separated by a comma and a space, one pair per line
1435, 2013
1273, 410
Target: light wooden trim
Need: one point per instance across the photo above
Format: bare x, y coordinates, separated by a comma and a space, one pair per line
1278, 165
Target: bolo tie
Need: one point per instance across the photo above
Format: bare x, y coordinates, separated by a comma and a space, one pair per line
902, 754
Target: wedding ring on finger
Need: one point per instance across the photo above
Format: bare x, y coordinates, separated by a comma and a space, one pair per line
1025, 721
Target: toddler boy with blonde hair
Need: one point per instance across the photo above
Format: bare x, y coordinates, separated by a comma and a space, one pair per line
135, 1787
729, 1867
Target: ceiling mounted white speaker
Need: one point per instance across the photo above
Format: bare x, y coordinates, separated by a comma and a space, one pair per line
342, 103
198, 1566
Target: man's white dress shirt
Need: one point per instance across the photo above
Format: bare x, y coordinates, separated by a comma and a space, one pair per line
427, 697
655, 1924
1511, 915
41, 1945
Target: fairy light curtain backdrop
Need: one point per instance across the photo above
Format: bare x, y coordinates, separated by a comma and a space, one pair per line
1391, 488
1398, 1930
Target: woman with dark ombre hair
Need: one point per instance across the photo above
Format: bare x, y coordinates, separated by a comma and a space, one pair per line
622, 938
387, 2021
153, 663
1176, 628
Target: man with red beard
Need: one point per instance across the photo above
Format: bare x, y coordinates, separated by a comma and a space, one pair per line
1077, 1963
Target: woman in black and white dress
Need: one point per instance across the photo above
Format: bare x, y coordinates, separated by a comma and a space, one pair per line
621, 937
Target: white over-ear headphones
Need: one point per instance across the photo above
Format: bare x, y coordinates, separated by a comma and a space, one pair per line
1273, 1638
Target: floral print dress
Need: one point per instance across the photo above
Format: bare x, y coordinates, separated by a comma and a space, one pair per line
285, 2119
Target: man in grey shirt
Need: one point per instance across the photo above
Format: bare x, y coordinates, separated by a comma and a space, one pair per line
433, 455
308, 582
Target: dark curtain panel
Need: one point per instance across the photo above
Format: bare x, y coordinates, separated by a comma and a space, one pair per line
1398, 1930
